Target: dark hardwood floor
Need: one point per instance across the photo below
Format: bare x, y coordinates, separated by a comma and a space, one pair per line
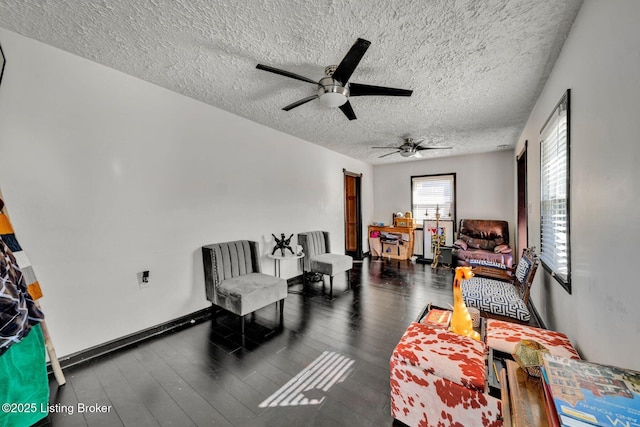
204, 375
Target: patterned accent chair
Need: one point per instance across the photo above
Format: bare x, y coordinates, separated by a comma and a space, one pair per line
319, 259
234, 281
507, 300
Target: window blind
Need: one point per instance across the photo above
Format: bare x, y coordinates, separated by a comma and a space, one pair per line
432, 192
555, 251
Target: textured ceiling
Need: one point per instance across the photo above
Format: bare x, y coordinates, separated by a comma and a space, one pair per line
476, 66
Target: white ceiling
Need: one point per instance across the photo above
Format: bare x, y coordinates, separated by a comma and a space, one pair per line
476, 66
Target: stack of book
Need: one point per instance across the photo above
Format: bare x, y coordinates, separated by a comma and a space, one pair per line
585, 394
438, 318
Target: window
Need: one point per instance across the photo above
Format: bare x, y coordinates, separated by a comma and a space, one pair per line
555, 247
431, 192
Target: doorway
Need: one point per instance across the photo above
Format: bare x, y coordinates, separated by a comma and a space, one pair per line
522, 231
352, 214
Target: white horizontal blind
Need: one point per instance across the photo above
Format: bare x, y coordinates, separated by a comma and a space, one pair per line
433, 192
554, 197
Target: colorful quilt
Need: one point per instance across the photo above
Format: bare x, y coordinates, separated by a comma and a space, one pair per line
24, 387
23, 373
18, 311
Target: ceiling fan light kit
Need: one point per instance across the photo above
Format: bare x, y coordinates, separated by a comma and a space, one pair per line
331, 93
415, 154
334, 88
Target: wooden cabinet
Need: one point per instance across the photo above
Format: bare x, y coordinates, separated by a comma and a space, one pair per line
399, 245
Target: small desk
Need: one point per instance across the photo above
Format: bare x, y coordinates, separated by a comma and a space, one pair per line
277, 257
400, 250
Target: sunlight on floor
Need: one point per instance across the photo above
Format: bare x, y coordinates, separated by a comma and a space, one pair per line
311, 385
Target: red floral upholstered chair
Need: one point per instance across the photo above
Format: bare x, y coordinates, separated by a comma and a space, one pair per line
438, 379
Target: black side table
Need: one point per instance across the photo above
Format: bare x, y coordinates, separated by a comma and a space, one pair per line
446, 256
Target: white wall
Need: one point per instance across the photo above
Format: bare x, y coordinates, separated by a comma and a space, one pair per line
484, 186
600, 63
105, 175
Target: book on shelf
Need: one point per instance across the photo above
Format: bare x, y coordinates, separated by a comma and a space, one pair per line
438, 318
587, 394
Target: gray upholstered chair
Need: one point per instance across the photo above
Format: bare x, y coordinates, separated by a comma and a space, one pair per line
319, 259
233, 279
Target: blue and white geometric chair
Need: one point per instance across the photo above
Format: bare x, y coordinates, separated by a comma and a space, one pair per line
506, 300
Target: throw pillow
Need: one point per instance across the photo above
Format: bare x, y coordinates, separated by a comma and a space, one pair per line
502, 249
460, 244
522, 270
485, 263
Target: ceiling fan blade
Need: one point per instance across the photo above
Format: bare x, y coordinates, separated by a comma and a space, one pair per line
285, 73
433, 148
351, 61
299, 103
348, 110
384, 147
357, 89
388, 154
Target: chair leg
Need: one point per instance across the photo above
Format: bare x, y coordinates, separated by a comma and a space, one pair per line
348, 280
242, 325
330, 287
281, 311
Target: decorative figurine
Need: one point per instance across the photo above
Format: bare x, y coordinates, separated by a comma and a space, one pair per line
282, 244
461, 322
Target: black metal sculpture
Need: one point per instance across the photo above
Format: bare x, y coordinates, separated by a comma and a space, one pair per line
282, 244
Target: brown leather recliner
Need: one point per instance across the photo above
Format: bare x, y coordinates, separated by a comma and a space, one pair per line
485, 240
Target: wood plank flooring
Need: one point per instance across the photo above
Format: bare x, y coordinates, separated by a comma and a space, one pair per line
204, 375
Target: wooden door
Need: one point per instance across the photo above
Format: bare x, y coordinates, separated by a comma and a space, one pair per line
523, 204
352, 220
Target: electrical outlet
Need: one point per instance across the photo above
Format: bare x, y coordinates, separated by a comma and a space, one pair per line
143, 279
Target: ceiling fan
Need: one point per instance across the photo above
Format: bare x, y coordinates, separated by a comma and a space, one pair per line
411, 148
334, 88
